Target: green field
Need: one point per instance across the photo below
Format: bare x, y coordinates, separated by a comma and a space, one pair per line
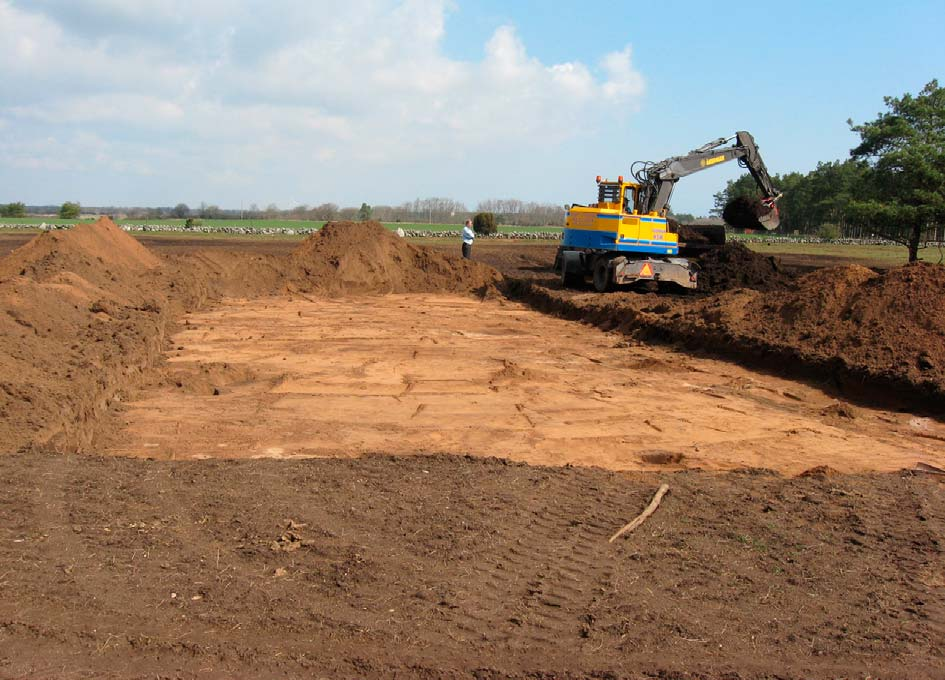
880, 255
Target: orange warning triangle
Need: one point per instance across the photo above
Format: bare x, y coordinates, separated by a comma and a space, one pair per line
647, 270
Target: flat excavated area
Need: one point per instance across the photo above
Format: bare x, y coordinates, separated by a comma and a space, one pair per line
406, 374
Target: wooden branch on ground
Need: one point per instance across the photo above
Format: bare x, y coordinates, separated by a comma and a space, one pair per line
650, 509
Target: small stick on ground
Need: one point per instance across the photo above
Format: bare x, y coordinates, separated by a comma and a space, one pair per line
650, 509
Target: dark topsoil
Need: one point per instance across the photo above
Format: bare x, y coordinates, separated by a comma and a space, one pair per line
451, 567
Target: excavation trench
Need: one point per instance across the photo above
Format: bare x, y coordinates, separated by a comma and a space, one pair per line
304, 376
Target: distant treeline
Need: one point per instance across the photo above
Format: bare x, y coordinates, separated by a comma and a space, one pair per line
422, 210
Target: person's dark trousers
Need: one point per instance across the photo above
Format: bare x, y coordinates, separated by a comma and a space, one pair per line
467, 250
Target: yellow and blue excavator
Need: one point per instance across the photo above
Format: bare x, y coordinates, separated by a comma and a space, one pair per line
626, 236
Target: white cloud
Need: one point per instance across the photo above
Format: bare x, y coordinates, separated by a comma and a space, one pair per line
364, 81
622, 80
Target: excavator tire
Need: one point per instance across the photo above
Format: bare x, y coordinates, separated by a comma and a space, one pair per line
571, 267
603, 278
571, 279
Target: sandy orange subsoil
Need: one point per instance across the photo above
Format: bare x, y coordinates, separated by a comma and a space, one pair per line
408, 374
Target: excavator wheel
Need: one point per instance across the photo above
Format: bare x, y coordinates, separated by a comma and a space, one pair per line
603, 278
571, 268
571, 279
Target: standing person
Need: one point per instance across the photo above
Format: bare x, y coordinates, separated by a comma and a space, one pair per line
468, 237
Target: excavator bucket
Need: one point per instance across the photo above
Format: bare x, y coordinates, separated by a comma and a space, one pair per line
771, 219
751, 213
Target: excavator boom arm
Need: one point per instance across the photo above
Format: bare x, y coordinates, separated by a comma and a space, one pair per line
659, 179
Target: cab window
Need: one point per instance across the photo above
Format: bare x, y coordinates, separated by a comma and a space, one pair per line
629, 200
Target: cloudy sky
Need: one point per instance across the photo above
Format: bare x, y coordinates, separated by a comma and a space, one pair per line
154, 102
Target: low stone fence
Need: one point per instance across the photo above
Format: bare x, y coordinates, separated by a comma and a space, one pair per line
285, 231
512, 235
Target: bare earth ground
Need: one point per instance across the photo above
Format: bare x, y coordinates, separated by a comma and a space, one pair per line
469, 565
409, 374
450, 566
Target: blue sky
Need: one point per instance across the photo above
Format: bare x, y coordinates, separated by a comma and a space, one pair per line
238, 102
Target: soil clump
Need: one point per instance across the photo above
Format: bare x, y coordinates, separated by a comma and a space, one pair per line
364, 257
743, 213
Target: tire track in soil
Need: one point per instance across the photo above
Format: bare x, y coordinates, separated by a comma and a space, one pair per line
544, 577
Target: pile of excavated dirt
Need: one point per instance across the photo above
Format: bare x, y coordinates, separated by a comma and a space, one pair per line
888, 324
364, 257
78, 324
736, 266
99, 252
877, 337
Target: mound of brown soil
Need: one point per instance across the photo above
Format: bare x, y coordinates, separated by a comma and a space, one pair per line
100, 252
735, 266
80, 324
889, 323
364, 257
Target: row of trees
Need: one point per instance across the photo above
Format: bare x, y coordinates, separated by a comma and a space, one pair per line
435, 210
893, 184
520, 213
13, 210
67, 210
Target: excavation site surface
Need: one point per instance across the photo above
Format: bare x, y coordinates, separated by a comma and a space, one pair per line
354, 456
299, 376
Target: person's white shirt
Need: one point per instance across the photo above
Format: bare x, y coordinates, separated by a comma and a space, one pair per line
468, 235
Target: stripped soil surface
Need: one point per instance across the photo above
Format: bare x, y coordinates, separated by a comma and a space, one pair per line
408, 374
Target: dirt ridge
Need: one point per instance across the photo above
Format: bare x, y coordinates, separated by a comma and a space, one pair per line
741, 325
